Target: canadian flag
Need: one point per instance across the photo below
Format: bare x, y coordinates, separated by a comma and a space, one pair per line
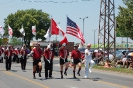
64, 41
34, 30
55, 29
10, 31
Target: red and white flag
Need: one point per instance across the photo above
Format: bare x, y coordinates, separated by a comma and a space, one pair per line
1, 30
10, 31
74, 30
64, 40
34, 30
55, 29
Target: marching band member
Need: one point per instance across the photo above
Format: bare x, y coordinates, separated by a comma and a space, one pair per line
63, 53
23, 57
76, 59
1, 54
8, 57
88, 60
48, 58
36, 59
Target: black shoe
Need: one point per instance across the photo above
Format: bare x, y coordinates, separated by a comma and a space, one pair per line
62, 76
34, 77
78, 74
74, 77
39, 75
46, 77
65, 73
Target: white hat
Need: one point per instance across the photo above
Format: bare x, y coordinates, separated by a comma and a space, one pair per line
95, 50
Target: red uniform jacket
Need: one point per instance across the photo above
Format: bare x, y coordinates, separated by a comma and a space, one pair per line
63, 53
23, 52
48, 54
37, 53
1, 51
8, 53
76, 54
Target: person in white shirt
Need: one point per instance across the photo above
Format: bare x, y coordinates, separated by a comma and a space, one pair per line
88, 60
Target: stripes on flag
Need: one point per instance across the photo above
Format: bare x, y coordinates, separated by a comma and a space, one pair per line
74, 30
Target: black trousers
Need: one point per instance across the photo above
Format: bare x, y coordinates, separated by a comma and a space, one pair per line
48, 67
23, 62
8, 63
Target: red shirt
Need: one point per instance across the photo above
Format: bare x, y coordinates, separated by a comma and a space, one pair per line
76, 54
8, 53
62, 53
37, 53
1, 51
48, 54
23, 52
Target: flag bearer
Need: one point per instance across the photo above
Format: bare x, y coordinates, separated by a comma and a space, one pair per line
48, 58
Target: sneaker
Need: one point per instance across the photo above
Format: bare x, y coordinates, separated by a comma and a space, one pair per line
90, 70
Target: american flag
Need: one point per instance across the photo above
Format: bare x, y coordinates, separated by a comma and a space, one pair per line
74, 30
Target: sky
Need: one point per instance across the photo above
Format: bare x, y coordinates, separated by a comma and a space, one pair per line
59, 9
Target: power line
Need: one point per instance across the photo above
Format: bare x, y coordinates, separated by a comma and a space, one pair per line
50, 1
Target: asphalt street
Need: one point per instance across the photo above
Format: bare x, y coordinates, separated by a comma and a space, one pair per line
17, 78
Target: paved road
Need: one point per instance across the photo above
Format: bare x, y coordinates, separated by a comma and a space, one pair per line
16, 78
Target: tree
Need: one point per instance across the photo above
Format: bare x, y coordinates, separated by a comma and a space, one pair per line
28, 18
125, 19
15, 41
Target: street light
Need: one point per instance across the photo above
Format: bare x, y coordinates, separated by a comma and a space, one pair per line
94, 37
83, 23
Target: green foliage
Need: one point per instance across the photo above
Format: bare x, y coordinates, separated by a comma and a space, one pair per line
28, 18
15, 41
1, 41
125, 19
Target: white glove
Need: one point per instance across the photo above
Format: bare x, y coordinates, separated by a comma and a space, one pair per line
48, 61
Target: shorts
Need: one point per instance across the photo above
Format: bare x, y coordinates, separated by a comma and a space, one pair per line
62, 62
36, 61
76, 61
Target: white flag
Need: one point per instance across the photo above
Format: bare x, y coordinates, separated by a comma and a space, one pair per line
22, 31
10, 31
1, 30
48, 35
34, 30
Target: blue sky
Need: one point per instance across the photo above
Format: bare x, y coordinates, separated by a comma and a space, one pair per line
59, 9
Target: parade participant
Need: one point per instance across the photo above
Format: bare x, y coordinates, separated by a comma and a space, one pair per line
63, 53
36, 60
23, 57
8, 57
1, 54
48, 58
88, 60
76, 60
37, 68
19, 54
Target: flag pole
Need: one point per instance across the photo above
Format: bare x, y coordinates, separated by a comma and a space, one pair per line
50, 30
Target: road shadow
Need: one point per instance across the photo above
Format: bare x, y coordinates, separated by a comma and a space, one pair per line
14, 70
